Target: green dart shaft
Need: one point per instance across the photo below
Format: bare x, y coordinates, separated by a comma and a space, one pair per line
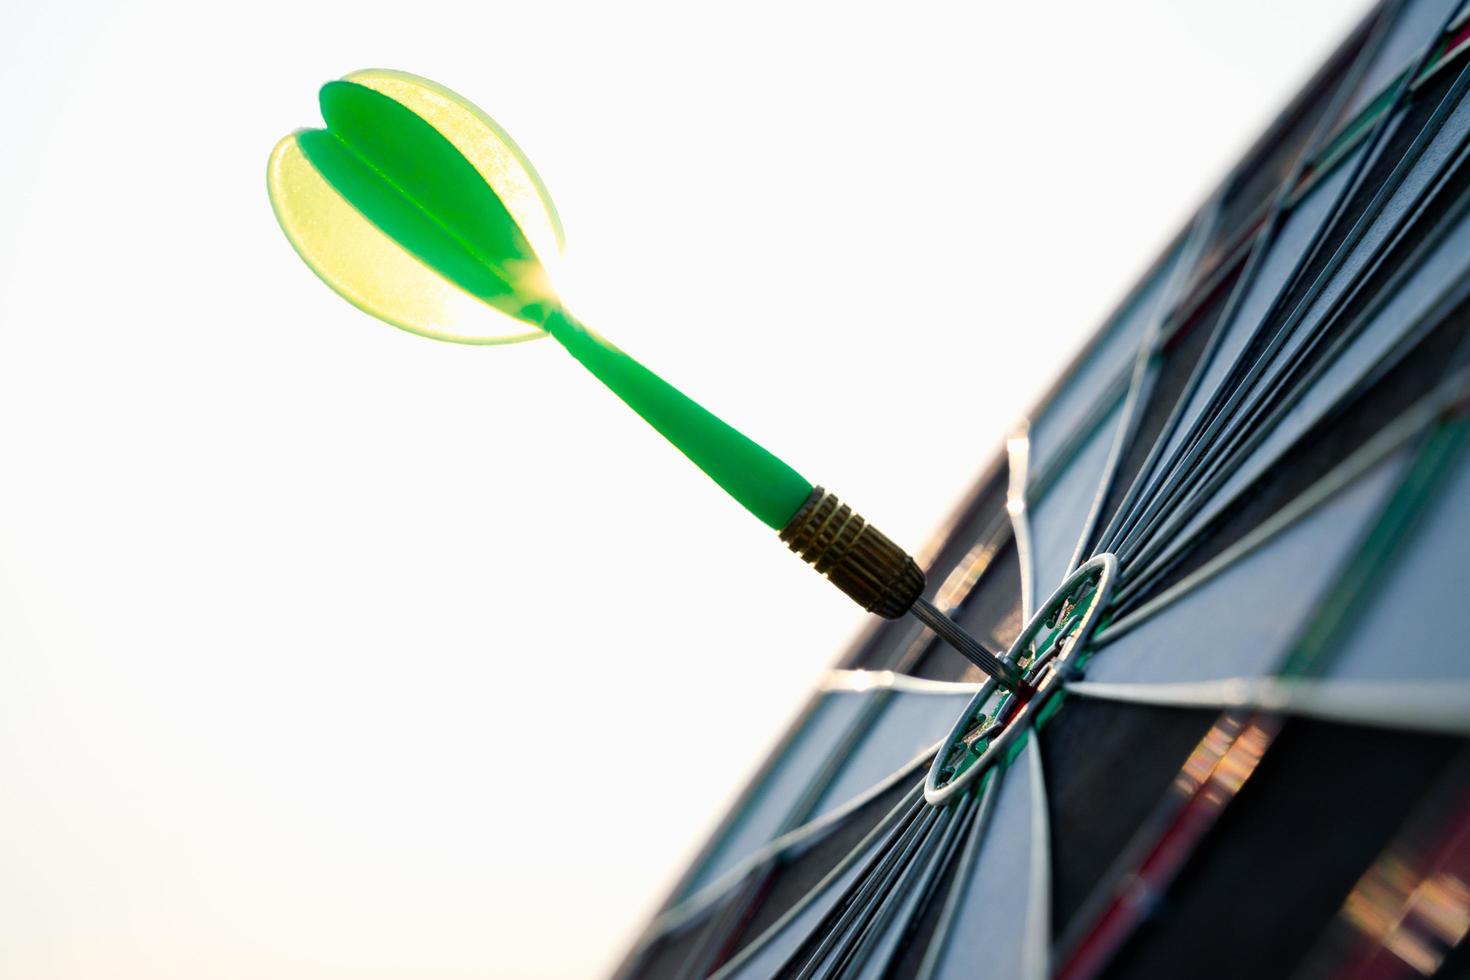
760, 481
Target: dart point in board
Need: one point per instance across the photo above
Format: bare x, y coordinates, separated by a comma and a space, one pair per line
417, 208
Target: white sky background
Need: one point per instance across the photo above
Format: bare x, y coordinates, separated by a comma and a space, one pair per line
329, 651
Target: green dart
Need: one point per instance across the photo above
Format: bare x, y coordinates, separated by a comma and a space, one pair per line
417, 208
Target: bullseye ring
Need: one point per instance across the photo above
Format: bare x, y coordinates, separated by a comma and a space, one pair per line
1045, 651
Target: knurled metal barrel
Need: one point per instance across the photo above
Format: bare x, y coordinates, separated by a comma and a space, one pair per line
855, 556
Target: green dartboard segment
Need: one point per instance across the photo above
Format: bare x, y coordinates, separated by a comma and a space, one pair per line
418, 209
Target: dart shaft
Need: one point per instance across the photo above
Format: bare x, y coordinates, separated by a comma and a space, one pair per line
761, 482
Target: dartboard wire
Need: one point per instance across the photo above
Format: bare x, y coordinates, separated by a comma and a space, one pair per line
1233, 251
861, 681
678, 914
1165, 473
1041, 480
1036, 937
1021, 491
1305, 367
1122, 313
1278, 390
1166, 322
963, 583
1385, 543
840, 940
1144, 371
796, 813
853, 896
797, 830
1350, 136
1435, 707
800, 812
1170, 470
986, 795
1018, 452
835, 679
684, 908
791, 841
1319, 163
1176, 535
1033, 929
1259, 358
1257, 246
1154, 479
838, 756
922, 889
1331, 87
1449, 54
787, 845
1408, 425
889, 828
1157, 859
993, 726
682, 905
840, 944
1183, 532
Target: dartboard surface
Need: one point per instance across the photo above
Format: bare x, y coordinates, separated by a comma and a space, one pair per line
1227, 549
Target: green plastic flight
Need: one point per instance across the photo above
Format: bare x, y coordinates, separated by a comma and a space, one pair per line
417, 208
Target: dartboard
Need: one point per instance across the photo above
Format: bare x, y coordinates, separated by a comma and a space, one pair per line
1227, 551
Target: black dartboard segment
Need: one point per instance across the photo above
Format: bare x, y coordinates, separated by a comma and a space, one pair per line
1249, 753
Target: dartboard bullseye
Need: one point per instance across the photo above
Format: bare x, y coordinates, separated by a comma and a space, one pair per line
1045, 652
